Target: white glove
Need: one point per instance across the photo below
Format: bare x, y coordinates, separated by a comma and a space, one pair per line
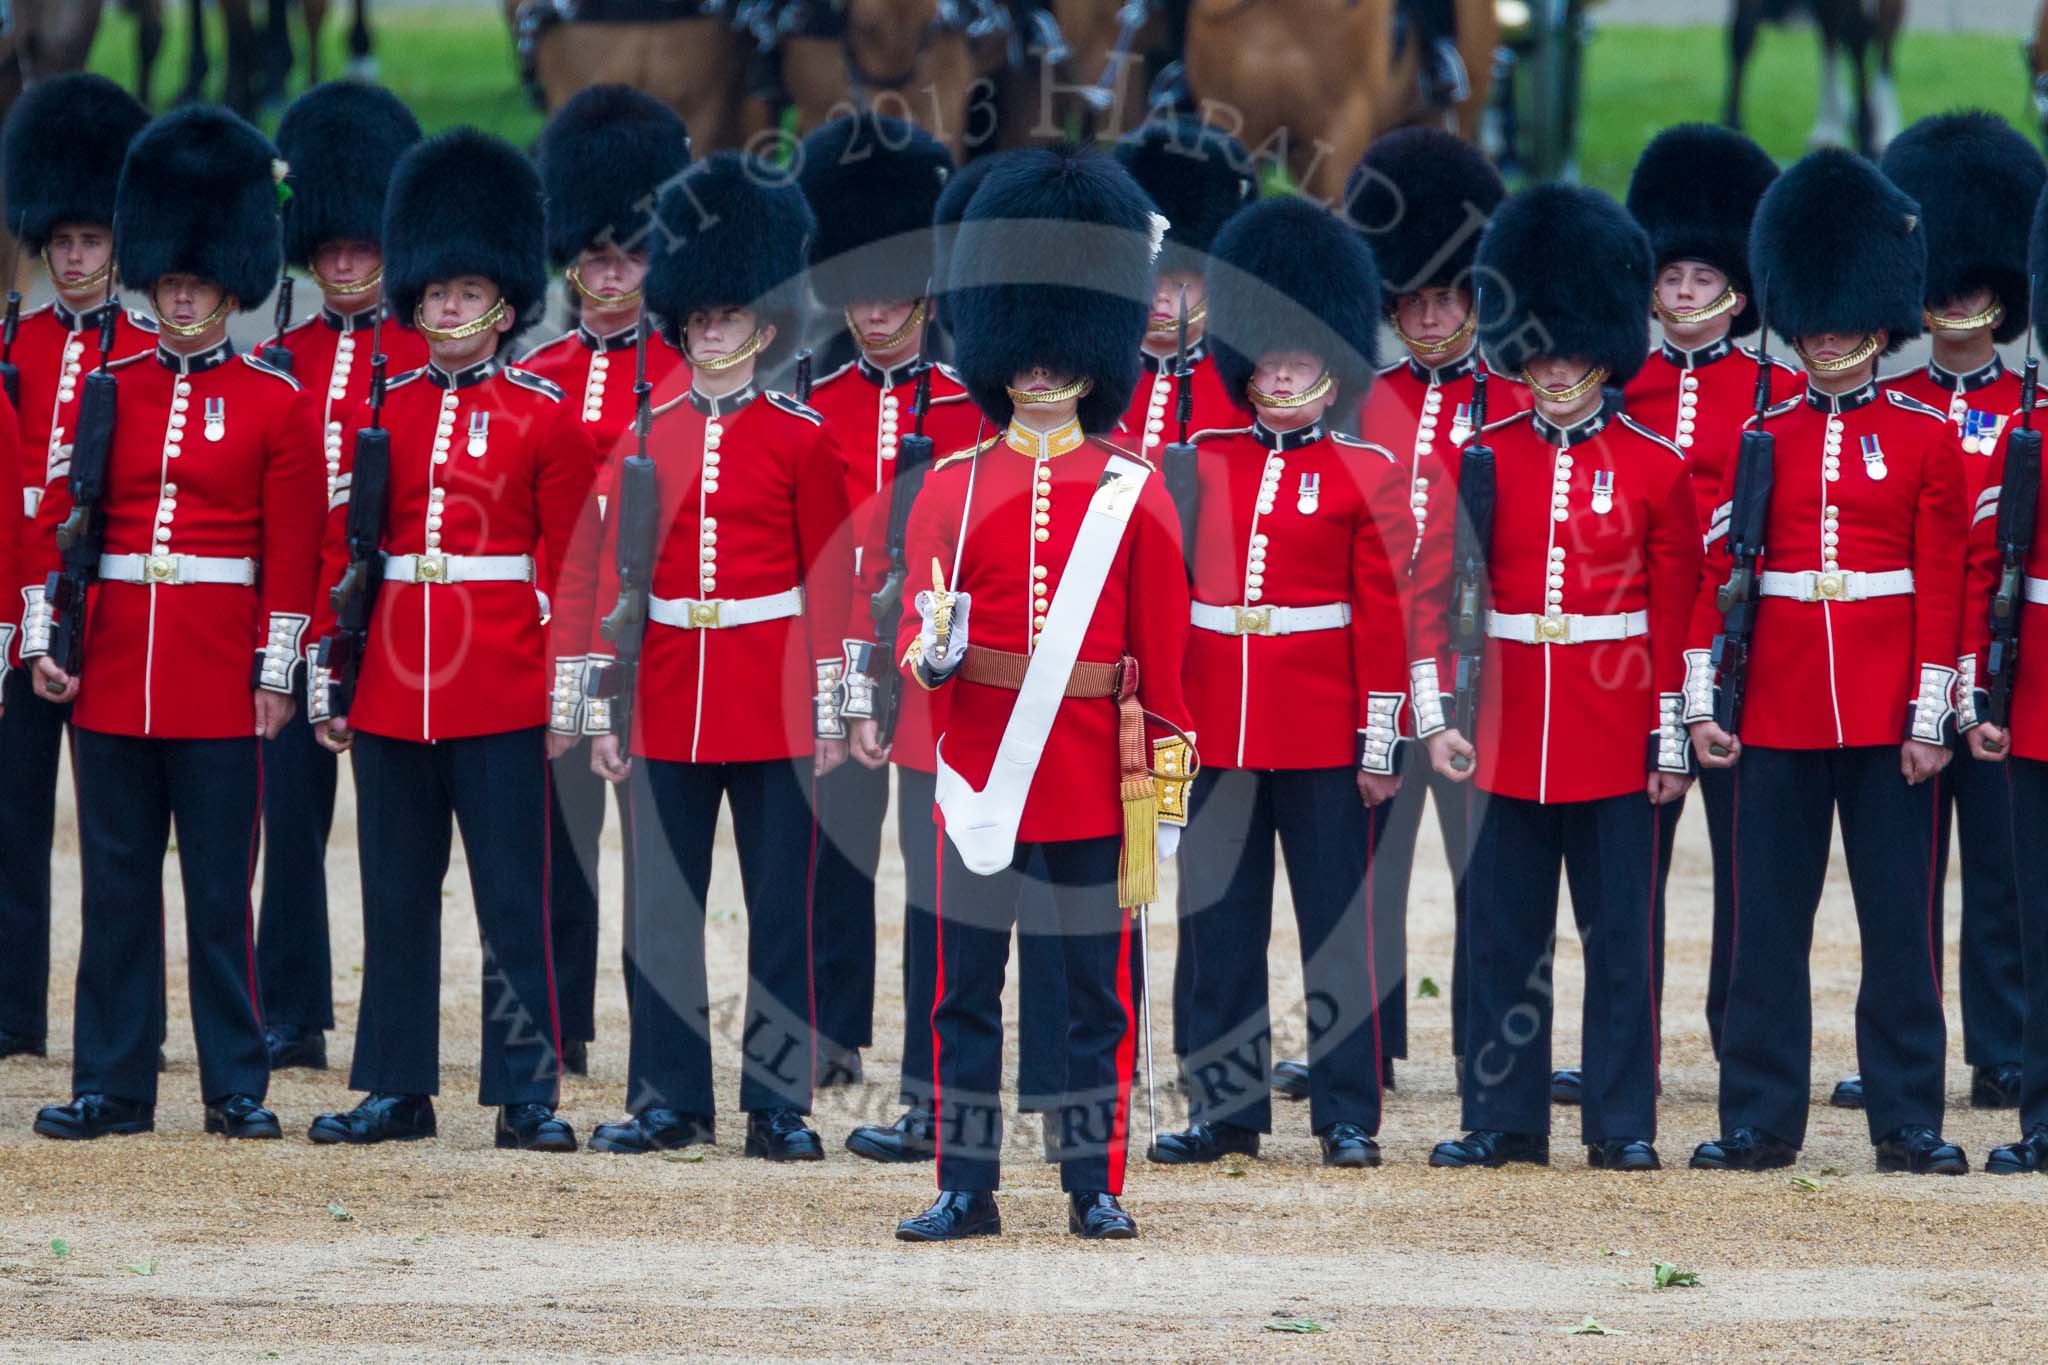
1169, 840
939, 666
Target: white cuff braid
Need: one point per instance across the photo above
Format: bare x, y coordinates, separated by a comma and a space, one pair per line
1699, 686
1933, 706
1427, 694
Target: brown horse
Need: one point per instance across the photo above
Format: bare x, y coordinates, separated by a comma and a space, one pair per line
895, 58
1862, 105
1310, 83
48, 38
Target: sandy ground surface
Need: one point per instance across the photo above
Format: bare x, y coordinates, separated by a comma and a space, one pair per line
450, 1250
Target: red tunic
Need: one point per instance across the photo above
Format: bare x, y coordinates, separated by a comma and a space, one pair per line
215, 455
1699, 400
331, 358
1979, 404
753, 504
1592, 520
1007, 558
53, 349
1153, 419
1300, 519
867, 408
1866, 483
1424, 414
452, 660
13, 525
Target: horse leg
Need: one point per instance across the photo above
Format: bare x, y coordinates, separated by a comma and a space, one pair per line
361, 63
1743, 22
277, 50
239, 92
1831, 120
315, 14
1891, 16
149, 41
195, 54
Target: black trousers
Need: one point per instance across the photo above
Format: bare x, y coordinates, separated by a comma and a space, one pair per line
671, 824
1393, 863
852, 801
1991, 976
1717, 794
1096, 943
410, 799
31, 737
1227, 867
2029, 816
1610, 852
1785, 805
293, 961
131, 794
917, 835
575, 826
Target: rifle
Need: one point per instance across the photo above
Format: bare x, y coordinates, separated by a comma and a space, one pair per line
10, 373
275, 355
1756, 463
83, 533
1470, 547
354, 597
885, 605
2020, 489
803, 375
637, 510
1177, 461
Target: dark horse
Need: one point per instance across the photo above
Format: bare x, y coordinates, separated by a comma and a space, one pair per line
1851, 27
259, 61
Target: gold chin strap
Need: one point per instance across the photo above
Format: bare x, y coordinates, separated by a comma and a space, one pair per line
1465, 329
746, 350
1260, 398
474, 327
1865, 349
895, 338
1990, 317
195, 329
601, 300
1685, 318
98, 277
1197, 315
1078, 389
362, 286
1594, 378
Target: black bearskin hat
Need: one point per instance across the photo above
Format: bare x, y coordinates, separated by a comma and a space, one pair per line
1976, 180
872, 183
465, 203
1564, 272
340, 141
734, 232
1288, 274
61, 154
946, 216
1421, 197
604, 158
1053, 267
1839, 248
2037, 261
1695, 190
1195, 175
198, 196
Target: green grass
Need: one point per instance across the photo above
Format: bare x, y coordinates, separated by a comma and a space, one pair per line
457, 66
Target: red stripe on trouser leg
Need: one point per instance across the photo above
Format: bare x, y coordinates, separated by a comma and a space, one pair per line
1126, 1052
938, 974
547, 928
1372, 970
248, 900
1656, 991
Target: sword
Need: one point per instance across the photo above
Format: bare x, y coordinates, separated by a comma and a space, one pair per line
1151, 1090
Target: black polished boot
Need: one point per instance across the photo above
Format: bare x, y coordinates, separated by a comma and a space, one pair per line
291, 1046
95, 1116
1565, 1085
576, 1057
652, 1130
1290, 1080
1202, 1143
1995, 1087
955, 1214
1848, 1093
1920, 1151
839, 1067
2028, 1156
533, 1127
1622, 1154
379, 1118
21, 1045
1098, 1217
1348, 1146
1489, 1147
906, 1140
782, 1135
241, 1116
1745, 1149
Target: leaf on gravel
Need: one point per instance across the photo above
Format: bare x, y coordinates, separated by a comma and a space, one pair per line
1426, 989
340, 1214
59, 1247
1298, 1326
687, 1154
1615, 1251
1665, 1275
1807, 1183
420, 1240
1232, 1165
1592, 1327
147, 1267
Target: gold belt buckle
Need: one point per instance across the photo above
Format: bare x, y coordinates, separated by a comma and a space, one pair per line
704, 615
430, 569
162, 569
1554, 630
1830, 587
1252, 621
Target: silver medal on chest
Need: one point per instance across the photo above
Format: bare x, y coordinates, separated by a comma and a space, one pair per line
1310, 494
1873, 458
216, 418
1603, 491
479, 433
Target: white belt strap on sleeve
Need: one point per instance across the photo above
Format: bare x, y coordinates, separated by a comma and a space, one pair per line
2037, 591
458, 568
169, 570
1270, 620
1809, 585
1527, 628
719, 613
983, 824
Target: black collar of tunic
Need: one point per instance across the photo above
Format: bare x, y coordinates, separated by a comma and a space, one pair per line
623, 339
463, 378
1446, 372
885, 378
198, 363
1846, 402
362, 320
725, 405
1948, 381
89, 320
1287, 440
1705, 355
1579, 432
1153, 364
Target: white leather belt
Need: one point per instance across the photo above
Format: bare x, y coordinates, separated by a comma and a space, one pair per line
720, 613
458, 568
1810, 585
1527, 628
170, 570
1271, 620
